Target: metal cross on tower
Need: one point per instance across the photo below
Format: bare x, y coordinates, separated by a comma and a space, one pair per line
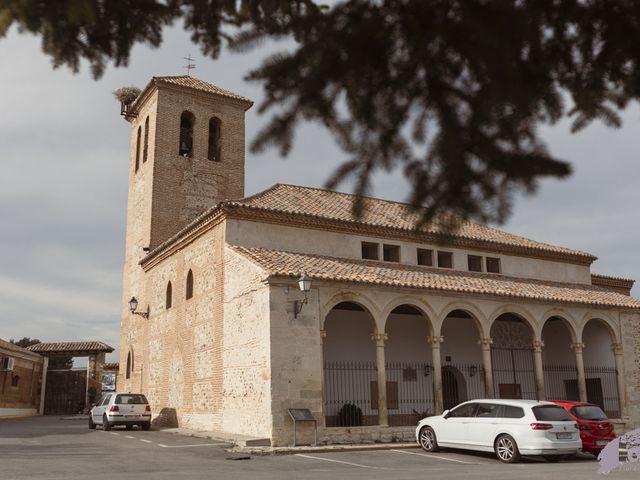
189, 66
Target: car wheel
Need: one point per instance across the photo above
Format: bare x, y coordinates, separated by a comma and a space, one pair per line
146, 425
506, 449
106, 426
129, 427
428, 440
92, 425
553, 458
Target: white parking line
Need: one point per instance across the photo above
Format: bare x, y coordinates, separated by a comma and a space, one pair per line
196, 445
145, 441
128, 436
429, 455
114, 433
340, 461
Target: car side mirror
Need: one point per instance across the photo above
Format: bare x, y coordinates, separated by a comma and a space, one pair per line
445, 414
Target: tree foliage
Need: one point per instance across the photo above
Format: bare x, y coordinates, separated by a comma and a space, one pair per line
450, 91
24, 342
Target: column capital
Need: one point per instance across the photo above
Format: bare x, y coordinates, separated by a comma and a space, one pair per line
323, 334
616, 348
485, 343
537, 345
435, 340
577, 347
379, 338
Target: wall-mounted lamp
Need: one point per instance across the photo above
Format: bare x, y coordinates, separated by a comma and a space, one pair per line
304, 284
473, 370
427, 369
133, 305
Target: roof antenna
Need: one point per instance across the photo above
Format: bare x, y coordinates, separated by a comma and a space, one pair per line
189, 66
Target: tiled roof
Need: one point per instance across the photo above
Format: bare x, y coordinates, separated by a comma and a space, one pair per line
289, 264
15, 348
111, 366
70, 347
329, 205
197, 84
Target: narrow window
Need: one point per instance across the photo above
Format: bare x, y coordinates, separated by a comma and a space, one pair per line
146, 140
169, 295
189, 284
445, 259
186, 134
128, 375
15, 380
215, 146
391, 253
138, 148
425, 257
475, 263
493, 265
370, 251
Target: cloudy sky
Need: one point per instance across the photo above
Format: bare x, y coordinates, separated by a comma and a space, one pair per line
64, 156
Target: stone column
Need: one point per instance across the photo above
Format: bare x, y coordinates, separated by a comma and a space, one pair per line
437, 372
622, 393
485, 344
383, 416
537, 366
323, 422
582, 383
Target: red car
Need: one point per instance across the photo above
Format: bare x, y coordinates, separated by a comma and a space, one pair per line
595, 428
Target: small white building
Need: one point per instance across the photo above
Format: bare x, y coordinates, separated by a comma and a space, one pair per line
398, 323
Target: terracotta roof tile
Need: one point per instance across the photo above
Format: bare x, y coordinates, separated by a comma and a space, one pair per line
326, 204
289, 264
197, 84
68, 347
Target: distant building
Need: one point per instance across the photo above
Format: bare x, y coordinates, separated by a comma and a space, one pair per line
398, 323
21, 380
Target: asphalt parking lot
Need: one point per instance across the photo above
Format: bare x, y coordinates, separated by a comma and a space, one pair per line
51, 448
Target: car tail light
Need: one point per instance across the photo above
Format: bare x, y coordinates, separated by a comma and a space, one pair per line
541, 426
114, 408
147, 408
584, 426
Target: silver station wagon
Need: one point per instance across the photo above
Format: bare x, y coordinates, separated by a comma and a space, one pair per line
126, 409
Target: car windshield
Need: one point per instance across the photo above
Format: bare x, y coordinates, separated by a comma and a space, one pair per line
589, 412
133, 398
551, 413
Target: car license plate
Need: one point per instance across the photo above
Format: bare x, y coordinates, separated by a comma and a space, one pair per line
601, 442
564, 435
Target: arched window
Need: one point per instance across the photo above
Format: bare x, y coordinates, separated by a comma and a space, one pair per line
146, 140
138, 148
169, 295
189, 284
186, 134
215, 145
129, 362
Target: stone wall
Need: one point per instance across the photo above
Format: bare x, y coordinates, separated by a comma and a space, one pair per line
248, 369
630, 323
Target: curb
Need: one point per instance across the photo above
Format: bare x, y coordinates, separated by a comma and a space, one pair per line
322, 449
24, 415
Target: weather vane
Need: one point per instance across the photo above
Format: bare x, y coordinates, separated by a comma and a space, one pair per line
189, 66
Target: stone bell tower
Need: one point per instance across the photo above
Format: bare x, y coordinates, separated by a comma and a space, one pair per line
187, 154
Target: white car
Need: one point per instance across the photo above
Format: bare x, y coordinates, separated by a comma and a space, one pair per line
126, 409
509, 428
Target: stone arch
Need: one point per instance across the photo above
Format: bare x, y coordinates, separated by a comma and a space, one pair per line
185, 145
350, 297
525, 315
604, 320
470, 309
421, 306
567, 319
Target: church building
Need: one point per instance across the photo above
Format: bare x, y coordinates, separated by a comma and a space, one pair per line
237, 308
